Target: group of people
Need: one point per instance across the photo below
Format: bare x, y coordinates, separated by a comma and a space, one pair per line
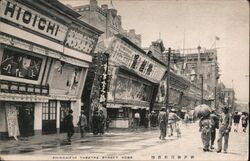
244, 121
170, 119
98, 123
223, 122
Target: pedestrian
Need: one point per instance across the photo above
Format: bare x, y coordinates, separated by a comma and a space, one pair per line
150, 119
137, 120
82, 123
95, 121
69, 125
163, 120
101, 122
146, 120
236, 120
225, 122
186, 118
205, 125
244, 121
108, 121
172, 119
215, 126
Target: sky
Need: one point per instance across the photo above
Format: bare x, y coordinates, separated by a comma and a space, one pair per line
199, 21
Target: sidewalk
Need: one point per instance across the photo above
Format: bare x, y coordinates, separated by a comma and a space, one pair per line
60, 138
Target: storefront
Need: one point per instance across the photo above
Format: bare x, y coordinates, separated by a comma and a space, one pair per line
177, 87
134, 76
44, 57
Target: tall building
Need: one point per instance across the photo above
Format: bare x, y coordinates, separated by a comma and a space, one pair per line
201, 67
106, 19
45, 52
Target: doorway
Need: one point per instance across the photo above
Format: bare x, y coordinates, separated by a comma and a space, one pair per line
25, 116
49, 117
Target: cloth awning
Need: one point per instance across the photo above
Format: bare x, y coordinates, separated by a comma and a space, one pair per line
112, 105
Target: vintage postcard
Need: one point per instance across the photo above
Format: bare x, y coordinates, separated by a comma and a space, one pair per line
124, 80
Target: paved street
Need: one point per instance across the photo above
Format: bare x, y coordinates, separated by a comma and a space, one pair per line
141, 145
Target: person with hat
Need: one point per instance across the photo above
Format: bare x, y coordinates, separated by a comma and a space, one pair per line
215, 118
244, 121
236, 119
172, 119
225, 122
69, 125
82, 123
163, 121
101, 122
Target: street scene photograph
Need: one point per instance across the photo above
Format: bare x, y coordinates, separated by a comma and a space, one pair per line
124, 80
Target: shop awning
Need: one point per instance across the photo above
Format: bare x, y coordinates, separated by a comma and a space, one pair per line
112, 105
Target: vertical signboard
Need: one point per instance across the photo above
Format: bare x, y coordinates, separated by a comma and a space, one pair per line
12, 122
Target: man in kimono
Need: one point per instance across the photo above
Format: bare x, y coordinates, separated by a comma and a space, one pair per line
206, 124
225, 122
163, 119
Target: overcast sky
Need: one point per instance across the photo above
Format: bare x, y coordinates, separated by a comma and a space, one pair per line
201, 21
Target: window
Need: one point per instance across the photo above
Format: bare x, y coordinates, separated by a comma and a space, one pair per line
21, 65
49, 110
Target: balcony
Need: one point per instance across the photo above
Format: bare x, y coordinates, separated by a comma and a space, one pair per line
23, 88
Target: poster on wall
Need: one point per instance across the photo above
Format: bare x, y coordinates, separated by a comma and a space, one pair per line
12, 122
21, 65
128, 89
174, 97
66, 78
162, 91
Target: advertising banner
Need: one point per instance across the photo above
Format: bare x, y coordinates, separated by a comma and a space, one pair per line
124, 54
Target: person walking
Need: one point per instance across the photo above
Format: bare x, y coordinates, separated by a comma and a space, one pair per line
163, 120
82, 123
225, 122
214, 126
244, 121
236, 120
172, 118
101, 122
137, 120
108, 121
95, 121
69, 125
205, 125
186, 118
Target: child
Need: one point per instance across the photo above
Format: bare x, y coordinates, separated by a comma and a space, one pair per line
178, 129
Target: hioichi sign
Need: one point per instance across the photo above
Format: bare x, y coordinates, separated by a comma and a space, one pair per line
22, 15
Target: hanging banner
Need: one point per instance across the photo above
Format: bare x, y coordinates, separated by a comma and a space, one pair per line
12, 122
124, 54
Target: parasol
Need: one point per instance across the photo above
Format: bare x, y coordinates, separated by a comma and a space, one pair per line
202, 110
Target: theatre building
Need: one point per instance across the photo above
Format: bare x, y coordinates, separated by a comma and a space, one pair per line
134, 78
45, 52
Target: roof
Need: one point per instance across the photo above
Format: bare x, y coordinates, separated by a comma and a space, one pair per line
138, 48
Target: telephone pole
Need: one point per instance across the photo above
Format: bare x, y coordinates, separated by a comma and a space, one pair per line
168, 78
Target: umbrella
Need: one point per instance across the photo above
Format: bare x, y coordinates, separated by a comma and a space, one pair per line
202, 110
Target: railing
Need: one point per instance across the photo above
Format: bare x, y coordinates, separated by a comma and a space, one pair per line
23, 88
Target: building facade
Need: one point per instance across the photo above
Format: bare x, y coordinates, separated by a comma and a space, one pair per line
134, 78
45, 52
200, 67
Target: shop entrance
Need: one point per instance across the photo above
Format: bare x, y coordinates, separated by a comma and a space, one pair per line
49, 117
65, 106
25, 116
